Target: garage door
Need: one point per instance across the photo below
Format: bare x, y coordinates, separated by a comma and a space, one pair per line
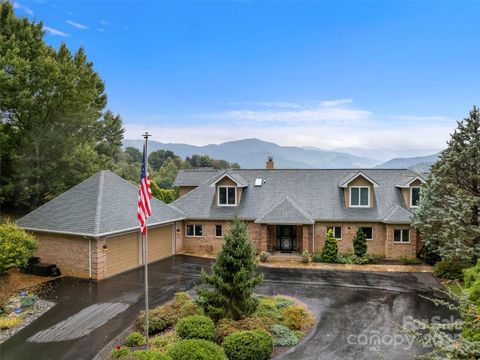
160, 242
122, 253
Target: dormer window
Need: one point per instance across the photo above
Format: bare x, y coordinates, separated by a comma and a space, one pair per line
359, 196
227, 196
414, 196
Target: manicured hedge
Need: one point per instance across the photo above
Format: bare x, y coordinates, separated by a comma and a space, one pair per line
248, 345
196, 327
197, 349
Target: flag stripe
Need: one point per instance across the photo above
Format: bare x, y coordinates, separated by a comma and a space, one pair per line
144, 209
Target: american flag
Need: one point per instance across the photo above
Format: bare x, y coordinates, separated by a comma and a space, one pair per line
144, 195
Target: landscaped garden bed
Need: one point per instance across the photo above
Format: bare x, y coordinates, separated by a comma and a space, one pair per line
226, 320
19, 312
180, 327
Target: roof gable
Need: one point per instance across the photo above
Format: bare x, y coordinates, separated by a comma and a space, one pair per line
408, 180
101, 205
286, 212
349, 178
238, 179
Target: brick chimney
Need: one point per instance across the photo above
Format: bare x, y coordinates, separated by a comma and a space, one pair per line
270, 164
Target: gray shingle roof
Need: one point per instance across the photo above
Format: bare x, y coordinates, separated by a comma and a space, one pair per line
398, 215
286, 212
316, 191
102, 204
195, 177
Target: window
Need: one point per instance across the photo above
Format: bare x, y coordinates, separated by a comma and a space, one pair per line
401, 235
359, 196
194, 230
368, 231
414, 196
227, 195
337, 231
218, 231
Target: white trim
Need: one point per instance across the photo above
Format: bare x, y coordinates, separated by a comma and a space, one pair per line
407, 185
411, 196
221, 227
196, 236
371, 227
333, 228
107, 234
226, 194
223, 177
359, 196
401, 237
345, 184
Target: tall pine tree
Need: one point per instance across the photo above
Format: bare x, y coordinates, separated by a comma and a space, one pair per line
360, 243
230, 286
330, 248
52, 105
448, 216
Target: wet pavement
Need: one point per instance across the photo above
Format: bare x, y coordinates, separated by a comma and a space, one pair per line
358, 312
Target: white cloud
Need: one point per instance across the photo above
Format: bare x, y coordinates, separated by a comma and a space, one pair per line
101, 30
330, 125
76, 25
54, 32
335, 103
23, 7
105, 22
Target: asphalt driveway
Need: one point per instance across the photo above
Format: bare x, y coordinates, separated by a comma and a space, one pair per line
358, 312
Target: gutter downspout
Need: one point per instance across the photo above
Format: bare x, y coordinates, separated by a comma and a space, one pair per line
90, 258
313, 237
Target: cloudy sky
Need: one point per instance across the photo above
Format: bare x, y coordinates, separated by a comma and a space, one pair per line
378, 79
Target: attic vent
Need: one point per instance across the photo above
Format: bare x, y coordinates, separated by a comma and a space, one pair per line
258, 182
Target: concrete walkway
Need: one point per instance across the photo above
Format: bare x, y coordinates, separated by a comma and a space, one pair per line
350, 305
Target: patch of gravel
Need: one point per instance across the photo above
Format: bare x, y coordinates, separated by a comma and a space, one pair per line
38, 309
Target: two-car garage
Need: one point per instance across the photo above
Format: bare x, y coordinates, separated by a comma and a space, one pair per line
125, 252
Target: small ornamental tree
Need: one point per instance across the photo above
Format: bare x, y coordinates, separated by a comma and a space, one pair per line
330, 248
16, 247
229, 288
360, 243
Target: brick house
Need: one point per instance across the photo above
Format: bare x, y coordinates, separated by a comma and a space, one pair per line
290, 210
92, 231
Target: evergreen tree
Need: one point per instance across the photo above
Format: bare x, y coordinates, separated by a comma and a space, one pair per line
52, 106
448, 216
330, 248
229, 288
359, 243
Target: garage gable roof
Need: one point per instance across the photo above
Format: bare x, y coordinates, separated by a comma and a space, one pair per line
103, 204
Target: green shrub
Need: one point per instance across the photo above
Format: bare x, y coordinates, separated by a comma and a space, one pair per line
330, 248
344, 259
165, 341
471, 275
299, 334
119, 352
196, 349
450, 269
360, 260
297, 317
147, 355
229, 287
282, 302
135, 339
29, 300
317, 257
284, 336
359, 243
305, 257
405, 260
17, 246
196, 327
166, 316
248, 345
267, 308
428, 255
263, 256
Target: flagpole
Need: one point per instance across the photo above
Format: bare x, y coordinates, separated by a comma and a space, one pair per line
145, 251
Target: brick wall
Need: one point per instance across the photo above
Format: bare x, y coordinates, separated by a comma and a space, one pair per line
69, 253
395, 249
210, 244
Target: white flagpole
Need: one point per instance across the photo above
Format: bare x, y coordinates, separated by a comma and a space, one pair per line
145, 250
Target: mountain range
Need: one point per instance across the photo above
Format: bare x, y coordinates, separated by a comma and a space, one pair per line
252, 153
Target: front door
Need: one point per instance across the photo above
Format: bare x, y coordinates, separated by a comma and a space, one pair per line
285, 238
